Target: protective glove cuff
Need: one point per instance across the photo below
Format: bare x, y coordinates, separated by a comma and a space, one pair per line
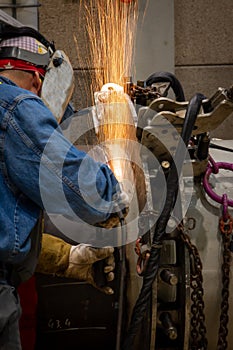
121, 199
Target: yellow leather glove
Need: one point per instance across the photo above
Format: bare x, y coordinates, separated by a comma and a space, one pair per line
59, 258
82, 261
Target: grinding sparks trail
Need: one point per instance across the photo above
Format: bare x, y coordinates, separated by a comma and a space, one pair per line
111, 27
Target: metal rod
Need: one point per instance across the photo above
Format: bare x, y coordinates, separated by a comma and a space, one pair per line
16, 6
122, 252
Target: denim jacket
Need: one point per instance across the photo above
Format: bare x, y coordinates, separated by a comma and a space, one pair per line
41, 169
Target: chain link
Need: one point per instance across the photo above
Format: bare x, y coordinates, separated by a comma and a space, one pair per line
198, 340
224, 318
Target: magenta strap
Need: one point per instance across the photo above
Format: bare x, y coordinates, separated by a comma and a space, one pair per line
214, 167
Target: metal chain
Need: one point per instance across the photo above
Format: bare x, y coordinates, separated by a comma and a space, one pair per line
226, 230
198, 340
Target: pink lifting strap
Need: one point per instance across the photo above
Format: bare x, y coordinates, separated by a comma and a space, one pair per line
213, 167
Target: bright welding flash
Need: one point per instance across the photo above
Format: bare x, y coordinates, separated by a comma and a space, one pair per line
116, 164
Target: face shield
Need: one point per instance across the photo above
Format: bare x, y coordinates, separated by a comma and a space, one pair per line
26, 49
58, 84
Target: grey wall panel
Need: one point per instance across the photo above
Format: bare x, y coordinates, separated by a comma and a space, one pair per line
155, 38
204, 79
203, 32
62, 21
204, 49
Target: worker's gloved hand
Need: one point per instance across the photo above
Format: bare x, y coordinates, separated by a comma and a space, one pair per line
85, 261
121, 202
120, 209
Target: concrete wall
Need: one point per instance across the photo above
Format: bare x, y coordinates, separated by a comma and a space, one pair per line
62, 21
204, 49
155, 38
194, 35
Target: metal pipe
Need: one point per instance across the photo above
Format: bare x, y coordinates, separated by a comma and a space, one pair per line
15, 6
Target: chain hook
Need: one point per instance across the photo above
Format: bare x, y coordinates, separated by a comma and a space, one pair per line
213, 165
143, 257
226, 221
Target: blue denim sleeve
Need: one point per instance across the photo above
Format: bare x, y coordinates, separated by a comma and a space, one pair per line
47, 168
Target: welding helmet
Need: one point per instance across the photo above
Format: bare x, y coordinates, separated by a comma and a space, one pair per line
26, 49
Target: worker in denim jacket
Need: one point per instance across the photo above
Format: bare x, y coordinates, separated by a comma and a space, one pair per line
39, 169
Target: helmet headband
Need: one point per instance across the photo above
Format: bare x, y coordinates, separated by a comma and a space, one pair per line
10, 63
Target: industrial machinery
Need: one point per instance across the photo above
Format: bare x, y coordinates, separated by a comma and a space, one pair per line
189, 309
176, 267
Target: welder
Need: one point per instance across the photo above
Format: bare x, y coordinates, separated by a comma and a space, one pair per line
32, 173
